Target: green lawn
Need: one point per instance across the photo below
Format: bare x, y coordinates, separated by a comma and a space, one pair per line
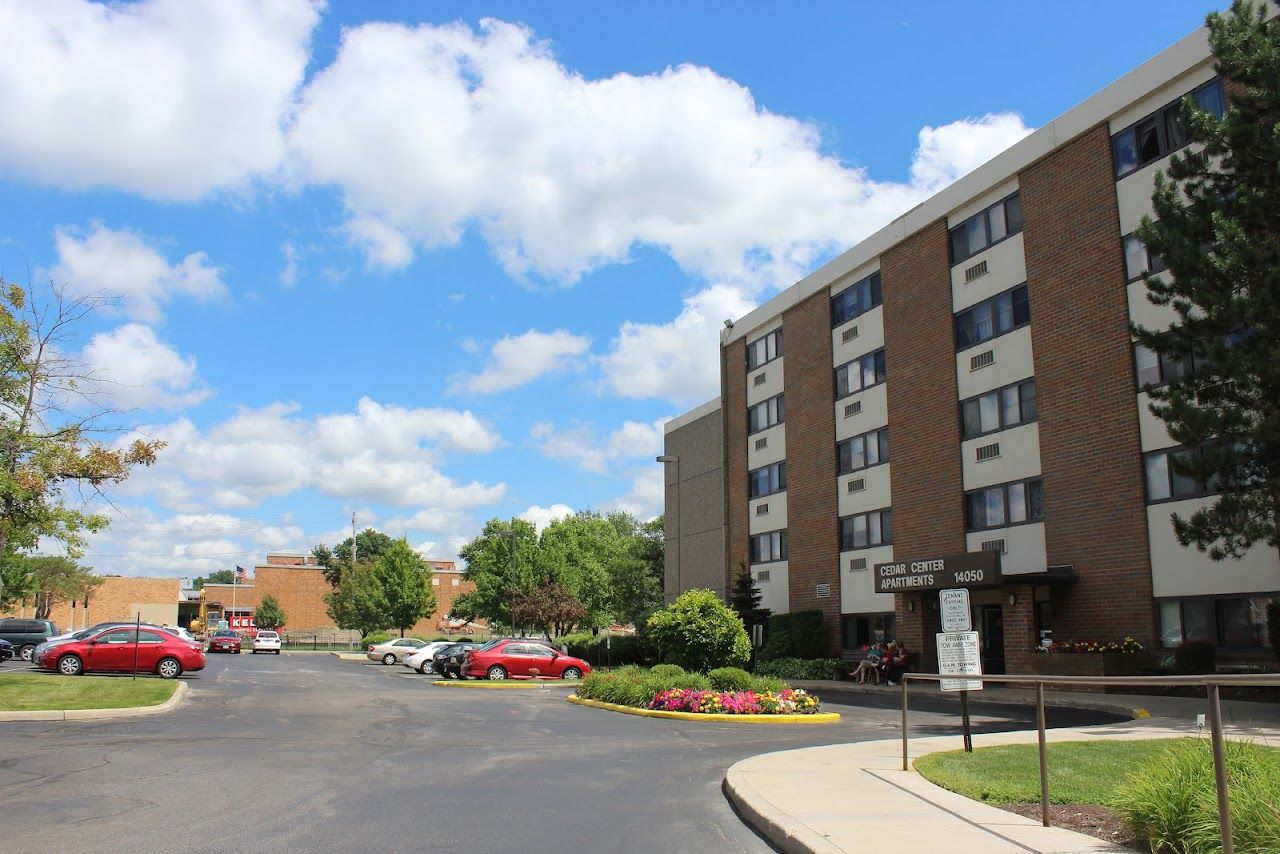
1080, 772
22, 692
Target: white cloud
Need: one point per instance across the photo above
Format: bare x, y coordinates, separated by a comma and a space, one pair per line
582, 446
131, 368
123, 263
517, 360
170, 99
645, 499
677, 361
541, 517
291, 254
948, 152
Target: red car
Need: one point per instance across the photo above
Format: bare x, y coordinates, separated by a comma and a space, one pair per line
225, 640
117, 649
519, 658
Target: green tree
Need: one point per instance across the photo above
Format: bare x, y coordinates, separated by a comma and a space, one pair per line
406, 587
48, 422
56, 579
218, 576
699, 632
489, 568
550, 608
1216, 228
638, 573
371, 544
580, 553
746, 598
269, 615
359, 602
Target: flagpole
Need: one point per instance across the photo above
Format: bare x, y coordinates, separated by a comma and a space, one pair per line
235, 576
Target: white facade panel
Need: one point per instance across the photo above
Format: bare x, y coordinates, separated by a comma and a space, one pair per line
857, 586
1012, 363
872, 414
869, 337
1179, 571
1024, 547
873, 496
775, 590
982, 202
1162, 95
765, 381
1133, 195
774, 516
1006, 267
1019, 457
1144, 314
774, 450
1151, 430
854, 276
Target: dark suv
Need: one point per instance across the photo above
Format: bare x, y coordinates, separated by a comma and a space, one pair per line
448, 661
26, 635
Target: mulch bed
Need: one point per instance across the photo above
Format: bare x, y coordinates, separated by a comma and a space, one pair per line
1097, 821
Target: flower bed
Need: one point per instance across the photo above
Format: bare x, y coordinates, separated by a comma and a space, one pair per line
786, 702
1128, 645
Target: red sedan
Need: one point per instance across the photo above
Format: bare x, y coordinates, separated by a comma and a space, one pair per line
225, 640
519, 658
120, 650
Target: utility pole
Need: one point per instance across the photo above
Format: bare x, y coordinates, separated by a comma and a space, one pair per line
353, 539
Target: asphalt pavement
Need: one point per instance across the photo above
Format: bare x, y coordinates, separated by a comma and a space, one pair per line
303, 752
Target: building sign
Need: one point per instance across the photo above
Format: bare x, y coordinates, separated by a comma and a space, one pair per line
973, 569
958, 653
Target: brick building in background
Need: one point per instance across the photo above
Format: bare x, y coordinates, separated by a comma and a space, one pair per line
962, 384
118, 598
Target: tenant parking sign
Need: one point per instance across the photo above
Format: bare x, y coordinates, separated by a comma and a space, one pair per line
954, 605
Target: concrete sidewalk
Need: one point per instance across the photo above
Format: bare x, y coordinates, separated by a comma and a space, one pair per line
850, 797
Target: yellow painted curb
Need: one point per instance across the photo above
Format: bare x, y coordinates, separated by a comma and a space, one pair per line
1141, 713
819, 718
450, 683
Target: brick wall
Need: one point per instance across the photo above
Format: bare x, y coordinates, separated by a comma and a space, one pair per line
733, 393
813, 551
118, 599
927, 482
300, 591
1095, 515
1019, 627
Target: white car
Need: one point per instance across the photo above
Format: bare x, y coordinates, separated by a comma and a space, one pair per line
266, 641
389, 652
421, 660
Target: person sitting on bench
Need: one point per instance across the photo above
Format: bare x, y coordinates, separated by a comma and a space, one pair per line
899, 660
870, 666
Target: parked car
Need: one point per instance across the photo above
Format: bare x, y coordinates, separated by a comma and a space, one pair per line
266, 641
448, 661
225, 640
6, 650
389, 652
423, 660
120, 649
26, 635
519, 658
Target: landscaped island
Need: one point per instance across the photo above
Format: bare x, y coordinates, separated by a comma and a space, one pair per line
723, 691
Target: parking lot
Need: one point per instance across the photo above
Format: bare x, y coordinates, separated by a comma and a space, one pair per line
306, 752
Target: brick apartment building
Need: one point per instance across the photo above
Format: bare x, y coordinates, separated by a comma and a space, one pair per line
963, 384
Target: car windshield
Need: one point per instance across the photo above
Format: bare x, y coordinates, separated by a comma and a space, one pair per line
225, 633
488, 644
267, 635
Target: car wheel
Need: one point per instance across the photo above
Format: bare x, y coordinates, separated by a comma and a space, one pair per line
571, 673
169, 668
70, 665
277, 652
497, 673
27, 651
389, 658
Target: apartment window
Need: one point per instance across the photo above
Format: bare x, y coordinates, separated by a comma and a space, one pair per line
1162, 132
764, 349
1006, 504
1138, 260
999, 410
993, 317
764, 415
1164, 483
767, 480
986, 228
858, 298
862, 372
766, 548
866, 530
1154, 371
1233, 622
860, 452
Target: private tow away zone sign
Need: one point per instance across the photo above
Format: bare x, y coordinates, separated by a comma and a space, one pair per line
972, 569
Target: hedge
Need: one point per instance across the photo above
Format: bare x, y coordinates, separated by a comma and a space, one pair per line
609, 650
799, 668
796, 635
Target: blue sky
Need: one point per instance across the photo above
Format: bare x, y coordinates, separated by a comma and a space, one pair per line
434, 262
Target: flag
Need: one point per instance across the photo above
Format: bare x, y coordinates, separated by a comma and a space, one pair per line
242, 574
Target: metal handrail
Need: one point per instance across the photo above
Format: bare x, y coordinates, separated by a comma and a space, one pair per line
1211, 684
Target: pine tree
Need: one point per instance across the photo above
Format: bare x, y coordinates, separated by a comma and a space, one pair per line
1217, 229
746, 599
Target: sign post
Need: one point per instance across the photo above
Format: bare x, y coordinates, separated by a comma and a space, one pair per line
958, 653
954, 607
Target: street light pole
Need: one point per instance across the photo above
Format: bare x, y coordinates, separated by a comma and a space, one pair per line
679, 528
511, 532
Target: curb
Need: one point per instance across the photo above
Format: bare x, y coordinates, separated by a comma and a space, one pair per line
791, 837
819, 718
179, 694
495, 686
353, 656
1061, 700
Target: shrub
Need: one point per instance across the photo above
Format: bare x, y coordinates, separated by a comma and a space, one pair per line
807, 637
778, 643
609, 650
463, 639
1195, 657
667, 670
1171, 800
700, 632
632, 686
731, 679
376, 638
799, 668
